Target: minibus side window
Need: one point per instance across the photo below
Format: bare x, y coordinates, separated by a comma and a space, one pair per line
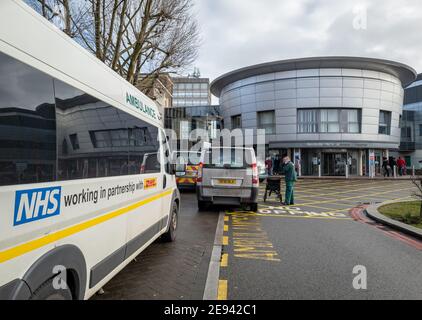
110, 142
27, 124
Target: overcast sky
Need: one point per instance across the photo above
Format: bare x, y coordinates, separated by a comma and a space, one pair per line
238, 33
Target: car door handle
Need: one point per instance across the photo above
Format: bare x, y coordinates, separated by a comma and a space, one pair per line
164, 181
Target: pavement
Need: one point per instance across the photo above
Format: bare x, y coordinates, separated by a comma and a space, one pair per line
373, 213
171, 271
310, 250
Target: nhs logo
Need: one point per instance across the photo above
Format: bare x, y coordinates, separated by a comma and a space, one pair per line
36, 204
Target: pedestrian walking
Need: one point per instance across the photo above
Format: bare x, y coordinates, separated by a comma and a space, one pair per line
401, 164
290, 177
385, 167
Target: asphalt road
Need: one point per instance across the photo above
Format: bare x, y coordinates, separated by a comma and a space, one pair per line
309, 251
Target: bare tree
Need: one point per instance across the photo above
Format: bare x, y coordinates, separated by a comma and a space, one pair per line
139, 39
65, 14
417, 182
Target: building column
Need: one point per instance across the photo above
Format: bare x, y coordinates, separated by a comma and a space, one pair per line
360, 163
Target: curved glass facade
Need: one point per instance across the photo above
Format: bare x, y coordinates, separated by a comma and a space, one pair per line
344, 119
411, 125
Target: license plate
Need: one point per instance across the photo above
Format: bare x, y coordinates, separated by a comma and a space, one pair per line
226, 181
180, 174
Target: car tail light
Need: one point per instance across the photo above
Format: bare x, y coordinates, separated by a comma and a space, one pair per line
142, 168
255, 179
199, 176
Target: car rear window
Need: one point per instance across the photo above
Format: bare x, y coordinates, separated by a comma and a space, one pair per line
228, 158
186, 158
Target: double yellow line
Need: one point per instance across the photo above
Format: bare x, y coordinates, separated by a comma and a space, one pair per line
23, 248
222, 283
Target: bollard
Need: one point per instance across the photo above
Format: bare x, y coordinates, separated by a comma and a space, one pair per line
347, 171
395, 172
413, 171
319, 171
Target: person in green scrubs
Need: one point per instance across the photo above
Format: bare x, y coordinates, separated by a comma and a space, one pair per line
290, 178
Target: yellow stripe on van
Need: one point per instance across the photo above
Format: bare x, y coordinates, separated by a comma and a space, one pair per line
21, 249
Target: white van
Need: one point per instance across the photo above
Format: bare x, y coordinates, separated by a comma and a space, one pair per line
84, 186
228, 176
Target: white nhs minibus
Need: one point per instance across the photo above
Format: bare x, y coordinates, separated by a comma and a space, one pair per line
84, 185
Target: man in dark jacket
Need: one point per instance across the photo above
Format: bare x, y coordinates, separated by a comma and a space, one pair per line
290, 179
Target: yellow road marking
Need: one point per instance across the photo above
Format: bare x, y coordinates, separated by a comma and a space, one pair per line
301, 217
346, 191
222, 290
249, 241
298, 205
226, 227
21, 249
348, 198
225, 241
347, 183
226, 218
224, 260
333, 210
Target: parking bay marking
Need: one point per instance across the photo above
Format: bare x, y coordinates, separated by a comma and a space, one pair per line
249, 240
296, 212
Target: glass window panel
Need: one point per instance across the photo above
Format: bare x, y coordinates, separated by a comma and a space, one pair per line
266, 121
236, 122
333, 115
333, 127
354, 127
352, 116
384, 122
266, 117
328, 120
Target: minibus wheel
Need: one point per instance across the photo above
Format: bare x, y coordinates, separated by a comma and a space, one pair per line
47, 292
170, 235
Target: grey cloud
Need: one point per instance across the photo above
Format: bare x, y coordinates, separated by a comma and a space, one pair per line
237, 33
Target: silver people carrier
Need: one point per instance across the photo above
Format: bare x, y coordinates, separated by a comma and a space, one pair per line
228, 176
